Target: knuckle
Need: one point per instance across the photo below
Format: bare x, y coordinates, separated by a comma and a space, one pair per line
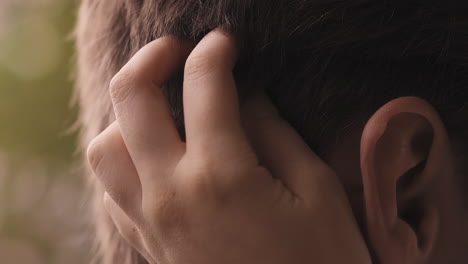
201, 188
95, 154
121, 85
209, 184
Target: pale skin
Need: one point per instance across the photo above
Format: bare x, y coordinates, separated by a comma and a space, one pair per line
243, 188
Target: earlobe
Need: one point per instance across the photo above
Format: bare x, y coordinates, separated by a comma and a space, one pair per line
404, 148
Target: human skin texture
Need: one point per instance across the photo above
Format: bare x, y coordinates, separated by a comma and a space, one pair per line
376, 89
220, 196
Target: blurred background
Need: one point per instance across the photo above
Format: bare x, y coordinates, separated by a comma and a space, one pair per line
41, 194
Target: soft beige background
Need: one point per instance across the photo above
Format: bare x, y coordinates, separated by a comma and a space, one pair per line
42, 218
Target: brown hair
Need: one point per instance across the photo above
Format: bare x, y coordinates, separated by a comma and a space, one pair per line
326, 65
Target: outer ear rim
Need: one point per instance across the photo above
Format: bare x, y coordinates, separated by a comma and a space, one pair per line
409, 104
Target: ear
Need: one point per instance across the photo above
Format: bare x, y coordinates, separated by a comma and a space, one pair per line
404, 149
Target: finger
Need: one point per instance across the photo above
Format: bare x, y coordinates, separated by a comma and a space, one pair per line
211, 107
111, 162
127, 229
281, 149
141, 108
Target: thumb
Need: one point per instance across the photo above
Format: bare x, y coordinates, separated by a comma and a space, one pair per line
283, 151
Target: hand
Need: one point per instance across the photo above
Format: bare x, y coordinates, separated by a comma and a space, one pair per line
218, 198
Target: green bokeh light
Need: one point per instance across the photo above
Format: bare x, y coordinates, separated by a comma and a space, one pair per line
41, 206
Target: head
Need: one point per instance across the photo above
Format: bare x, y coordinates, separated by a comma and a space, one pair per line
379, 90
